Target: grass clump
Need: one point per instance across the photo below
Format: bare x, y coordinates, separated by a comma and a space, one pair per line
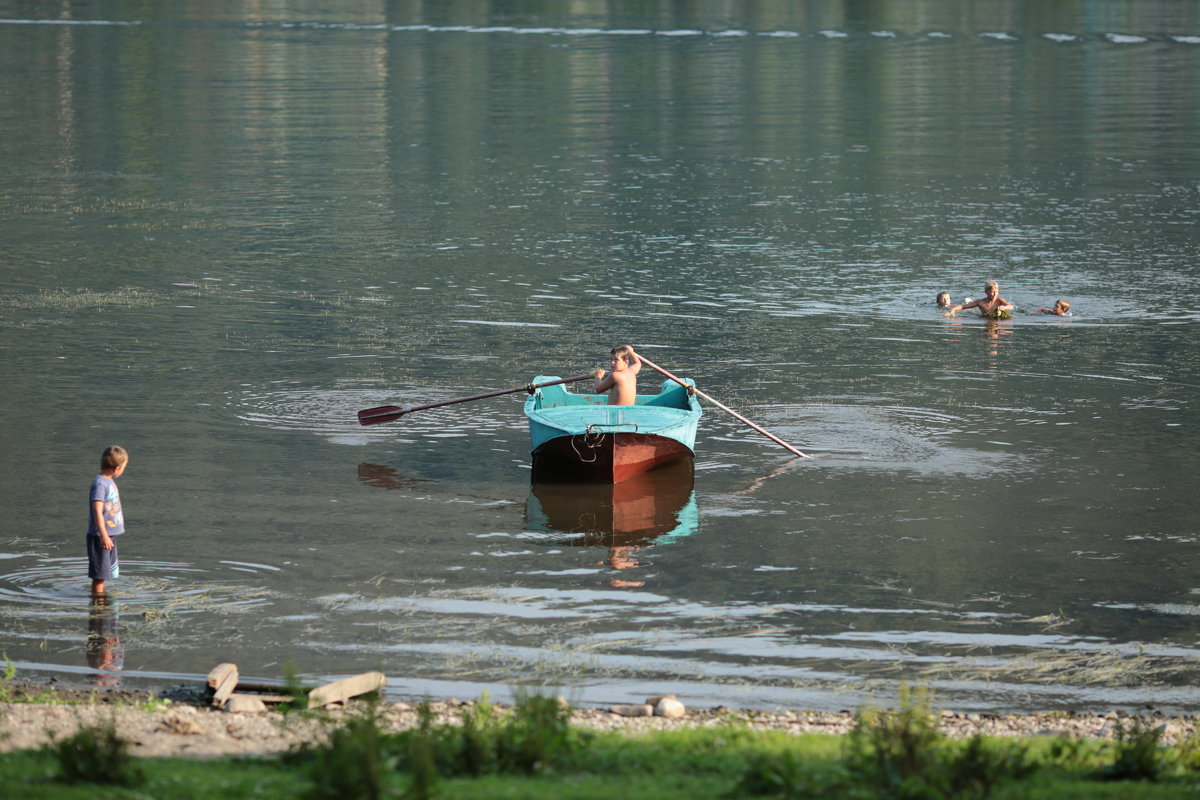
1139, 756
902, 753
10, 693
531, 738
788, 775
355, 763
96, 754
363, 760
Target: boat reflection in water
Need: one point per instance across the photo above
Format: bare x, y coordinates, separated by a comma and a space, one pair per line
656, 507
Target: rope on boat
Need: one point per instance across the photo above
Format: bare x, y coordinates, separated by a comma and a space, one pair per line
594, 438
591, 440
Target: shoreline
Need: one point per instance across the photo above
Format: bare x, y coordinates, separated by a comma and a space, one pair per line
179, 721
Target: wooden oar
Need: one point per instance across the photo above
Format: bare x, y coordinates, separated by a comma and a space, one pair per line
724, 408
380, 414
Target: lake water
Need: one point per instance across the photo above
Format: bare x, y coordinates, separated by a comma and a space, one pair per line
225, 228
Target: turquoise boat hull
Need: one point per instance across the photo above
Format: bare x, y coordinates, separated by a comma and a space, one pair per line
580, 435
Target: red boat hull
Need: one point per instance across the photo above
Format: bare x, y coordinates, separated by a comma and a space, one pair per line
608, 457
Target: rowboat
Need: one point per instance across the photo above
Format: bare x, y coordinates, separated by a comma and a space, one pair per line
582, 435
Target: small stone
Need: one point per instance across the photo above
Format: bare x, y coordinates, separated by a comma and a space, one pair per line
245, 704
633, 710
670, 708
181, 721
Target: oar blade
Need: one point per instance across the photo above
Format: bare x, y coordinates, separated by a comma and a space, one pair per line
380, 414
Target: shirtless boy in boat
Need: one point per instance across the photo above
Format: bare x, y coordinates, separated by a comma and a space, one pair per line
991, 305
621, 382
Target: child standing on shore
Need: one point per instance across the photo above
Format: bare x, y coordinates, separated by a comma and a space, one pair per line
105, 519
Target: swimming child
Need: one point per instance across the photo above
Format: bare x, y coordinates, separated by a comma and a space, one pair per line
621, 382
943, 299
105, 518
1061, 307
991, 305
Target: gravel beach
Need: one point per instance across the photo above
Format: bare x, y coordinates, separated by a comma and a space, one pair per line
183, 725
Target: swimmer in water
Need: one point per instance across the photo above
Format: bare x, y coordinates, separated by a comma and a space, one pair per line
1061, 307
943, 299
991, 305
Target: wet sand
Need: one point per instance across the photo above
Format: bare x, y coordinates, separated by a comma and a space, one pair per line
185, 726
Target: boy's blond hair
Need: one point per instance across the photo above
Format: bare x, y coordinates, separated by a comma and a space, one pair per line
1065, 305
992, 284
113, 457
624, 352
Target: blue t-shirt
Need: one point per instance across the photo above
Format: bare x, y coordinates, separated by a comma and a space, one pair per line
105, 490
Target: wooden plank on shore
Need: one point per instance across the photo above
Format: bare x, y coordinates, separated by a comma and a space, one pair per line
270, 698
253, 686
222, 680
346, 688
218, 674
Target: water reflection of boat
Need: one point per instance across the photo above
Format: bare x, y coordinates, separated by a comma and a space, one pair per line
653, 507
580, 433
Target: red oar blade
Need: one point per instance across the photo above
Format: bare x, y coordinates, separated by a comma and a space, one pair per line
380, 414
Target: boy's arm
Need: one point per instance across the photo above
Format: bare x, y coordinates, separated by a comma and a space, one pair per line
602, 383
98, 512
963, 307
636, 366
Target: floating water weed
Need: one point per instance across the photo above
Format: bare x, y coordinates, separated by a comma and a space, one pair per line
1085, 668
74, 299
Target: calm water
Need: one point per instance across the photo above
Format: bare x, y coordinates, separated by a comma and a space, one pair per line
225, 231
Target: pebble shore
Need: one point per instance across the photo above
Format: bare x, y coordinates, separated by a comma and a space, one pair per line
186, 727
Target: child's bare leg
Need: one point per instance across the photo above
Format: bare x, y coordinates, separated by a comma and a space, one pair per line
98, 587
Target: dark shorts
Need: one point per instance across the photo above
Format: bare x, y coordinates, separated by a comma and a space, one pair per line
102, 564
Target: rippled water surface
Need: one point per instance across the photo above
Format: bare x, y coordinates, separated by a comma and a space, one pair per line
224, 232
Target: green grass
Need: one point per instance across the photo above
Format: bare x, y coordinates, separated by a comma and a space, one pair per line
689, 765
530, 751
35, 775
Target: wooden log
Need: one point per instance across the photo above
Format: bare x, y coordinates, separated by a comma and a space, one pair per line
346, 688
271, 698
218, 674
222, 680
261, 688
